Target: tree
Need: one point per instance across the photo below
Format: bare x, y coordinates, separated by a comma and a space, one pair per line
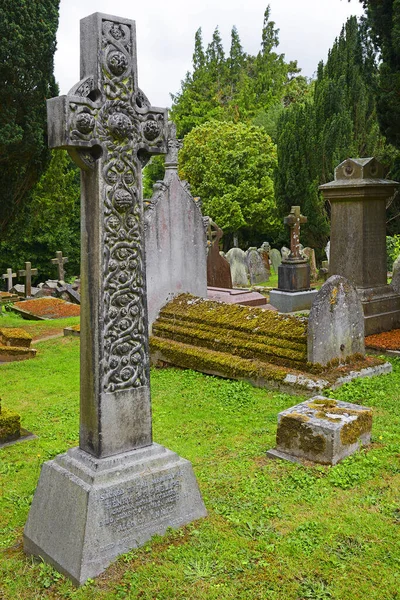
230, 166
28, 41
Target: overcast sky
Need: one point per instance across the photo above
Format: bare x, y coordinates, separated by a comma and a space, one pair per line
166, 28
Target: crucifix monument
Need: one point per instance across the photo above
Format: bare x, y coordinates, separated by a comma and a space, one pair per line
293, 291
9, 277
60, 260
119, 487
27, 273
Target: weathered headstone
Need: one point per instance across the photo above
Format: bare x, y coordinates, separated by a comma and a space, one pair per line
358, 238
218, 268
309, 254
60, 260
336, 323
293, 293
322, 430
27, 273
9, 277
237, 260
276, 259
264, 253
175, 239
118, 488
255, 266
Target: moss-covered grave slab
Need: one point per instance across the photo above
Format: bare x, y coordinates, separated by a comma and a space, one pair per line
46, 308
14, 336
10, 426
262, 347
322, 430
73, 330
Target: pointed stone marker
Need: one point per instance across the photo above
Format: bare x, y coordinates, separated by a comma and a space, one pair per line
118, 488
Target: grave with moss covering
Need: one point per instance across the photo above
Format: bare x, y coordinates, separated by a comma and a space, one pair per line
15, 344
263, 347
10, 425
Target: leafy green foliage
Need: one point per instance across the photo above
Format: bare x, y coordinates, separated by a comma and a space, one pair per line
50, 222
230, 166
28, 41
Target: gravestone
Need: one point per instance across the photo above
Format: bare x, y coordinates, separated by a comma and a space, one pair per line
335, 323
358, 238
276, 259
60, 260
255, 266
118, 488
309, 254
237, 260
264, 253
395, 283
27, 273
175, 240
218, 268
293, 293
9, 277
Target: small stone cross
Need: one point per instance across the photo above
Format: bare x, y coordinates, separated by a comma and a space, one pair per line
110, 129
9, 276
60, 260
174, 145
27, 273
294, 219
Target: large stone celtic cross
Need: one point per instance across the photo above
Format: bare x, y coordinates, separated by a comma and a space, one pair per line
109, 128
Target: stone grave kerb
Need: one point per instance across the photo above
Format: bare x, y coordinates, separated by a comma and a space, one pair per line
109, 128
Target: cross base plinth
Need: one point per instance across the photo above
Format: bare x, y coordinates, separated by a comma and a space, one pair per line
87, 511
294, 276
381, 305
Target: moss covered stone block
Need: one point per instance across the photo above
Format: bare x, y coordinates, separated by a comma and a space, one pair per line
10, 426
322, 430
14, 336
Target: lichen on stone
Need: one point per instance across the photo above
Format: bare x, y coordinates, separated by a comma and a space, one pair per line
293, 432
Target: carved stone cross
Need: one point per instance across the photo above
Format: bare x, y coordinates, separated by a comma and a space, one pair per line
294, 219
9, 276
27, 273
60, 260
109, 128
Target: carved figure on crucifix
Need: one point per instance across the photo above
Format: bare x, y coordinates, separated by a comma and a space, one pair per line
60, 260
9, 277
294, 220
27, 273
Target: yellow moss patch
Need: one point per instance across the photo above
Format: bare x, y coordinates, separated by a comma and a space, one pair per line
10, 425
351, 432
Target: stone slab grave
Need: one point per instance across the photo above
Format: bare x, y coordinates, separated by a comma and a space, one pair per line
322, 430
263, 347
75, 330
11, 431
357, 252
46, 308
15, 345
293, 292
244, 297
218, 268
119, 488
175, 238
239, 272
256, 268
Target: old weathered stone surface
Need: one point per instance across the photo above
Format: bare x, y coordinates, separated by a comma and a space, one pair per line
294, 277
244, 297
309, 254
287, 302
175, 239
322, 430
27, 273
336, 323
218, 268
239, 272
9, 278
276, 259
10, 425
60, 261
256, 268
111, 130
14, 336
358, 238
264, 253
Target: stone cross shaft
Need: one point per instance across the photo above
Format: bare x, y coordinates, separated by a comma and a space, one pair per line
27, 273
60, 260
109, 128
9, 276
294, 220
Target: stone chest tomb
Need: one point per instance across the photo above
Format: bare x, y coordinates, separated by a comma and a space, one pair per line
118, 488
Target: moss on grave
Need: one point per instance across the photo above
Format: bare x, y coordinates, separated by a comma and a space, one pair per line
10, 425
352, 431
293, 431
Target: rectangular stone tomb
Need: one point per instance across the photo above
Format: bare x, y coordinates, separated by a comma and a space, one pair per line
287, 302
14, 336
87, 511
322, 430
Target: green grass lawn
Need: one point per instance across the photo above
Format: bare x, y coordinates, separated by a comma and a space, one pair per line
275, 530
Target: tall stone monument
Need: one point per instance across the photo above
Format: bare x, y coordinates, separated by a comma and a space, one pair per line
358, 238
293, 291
118, 488
175, 238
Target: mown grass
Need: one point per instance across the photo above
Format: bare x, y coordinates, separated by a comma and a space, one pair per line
275, 530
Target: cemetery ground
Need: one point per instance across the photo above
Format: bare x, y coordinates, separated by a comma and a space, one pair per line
275, 530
